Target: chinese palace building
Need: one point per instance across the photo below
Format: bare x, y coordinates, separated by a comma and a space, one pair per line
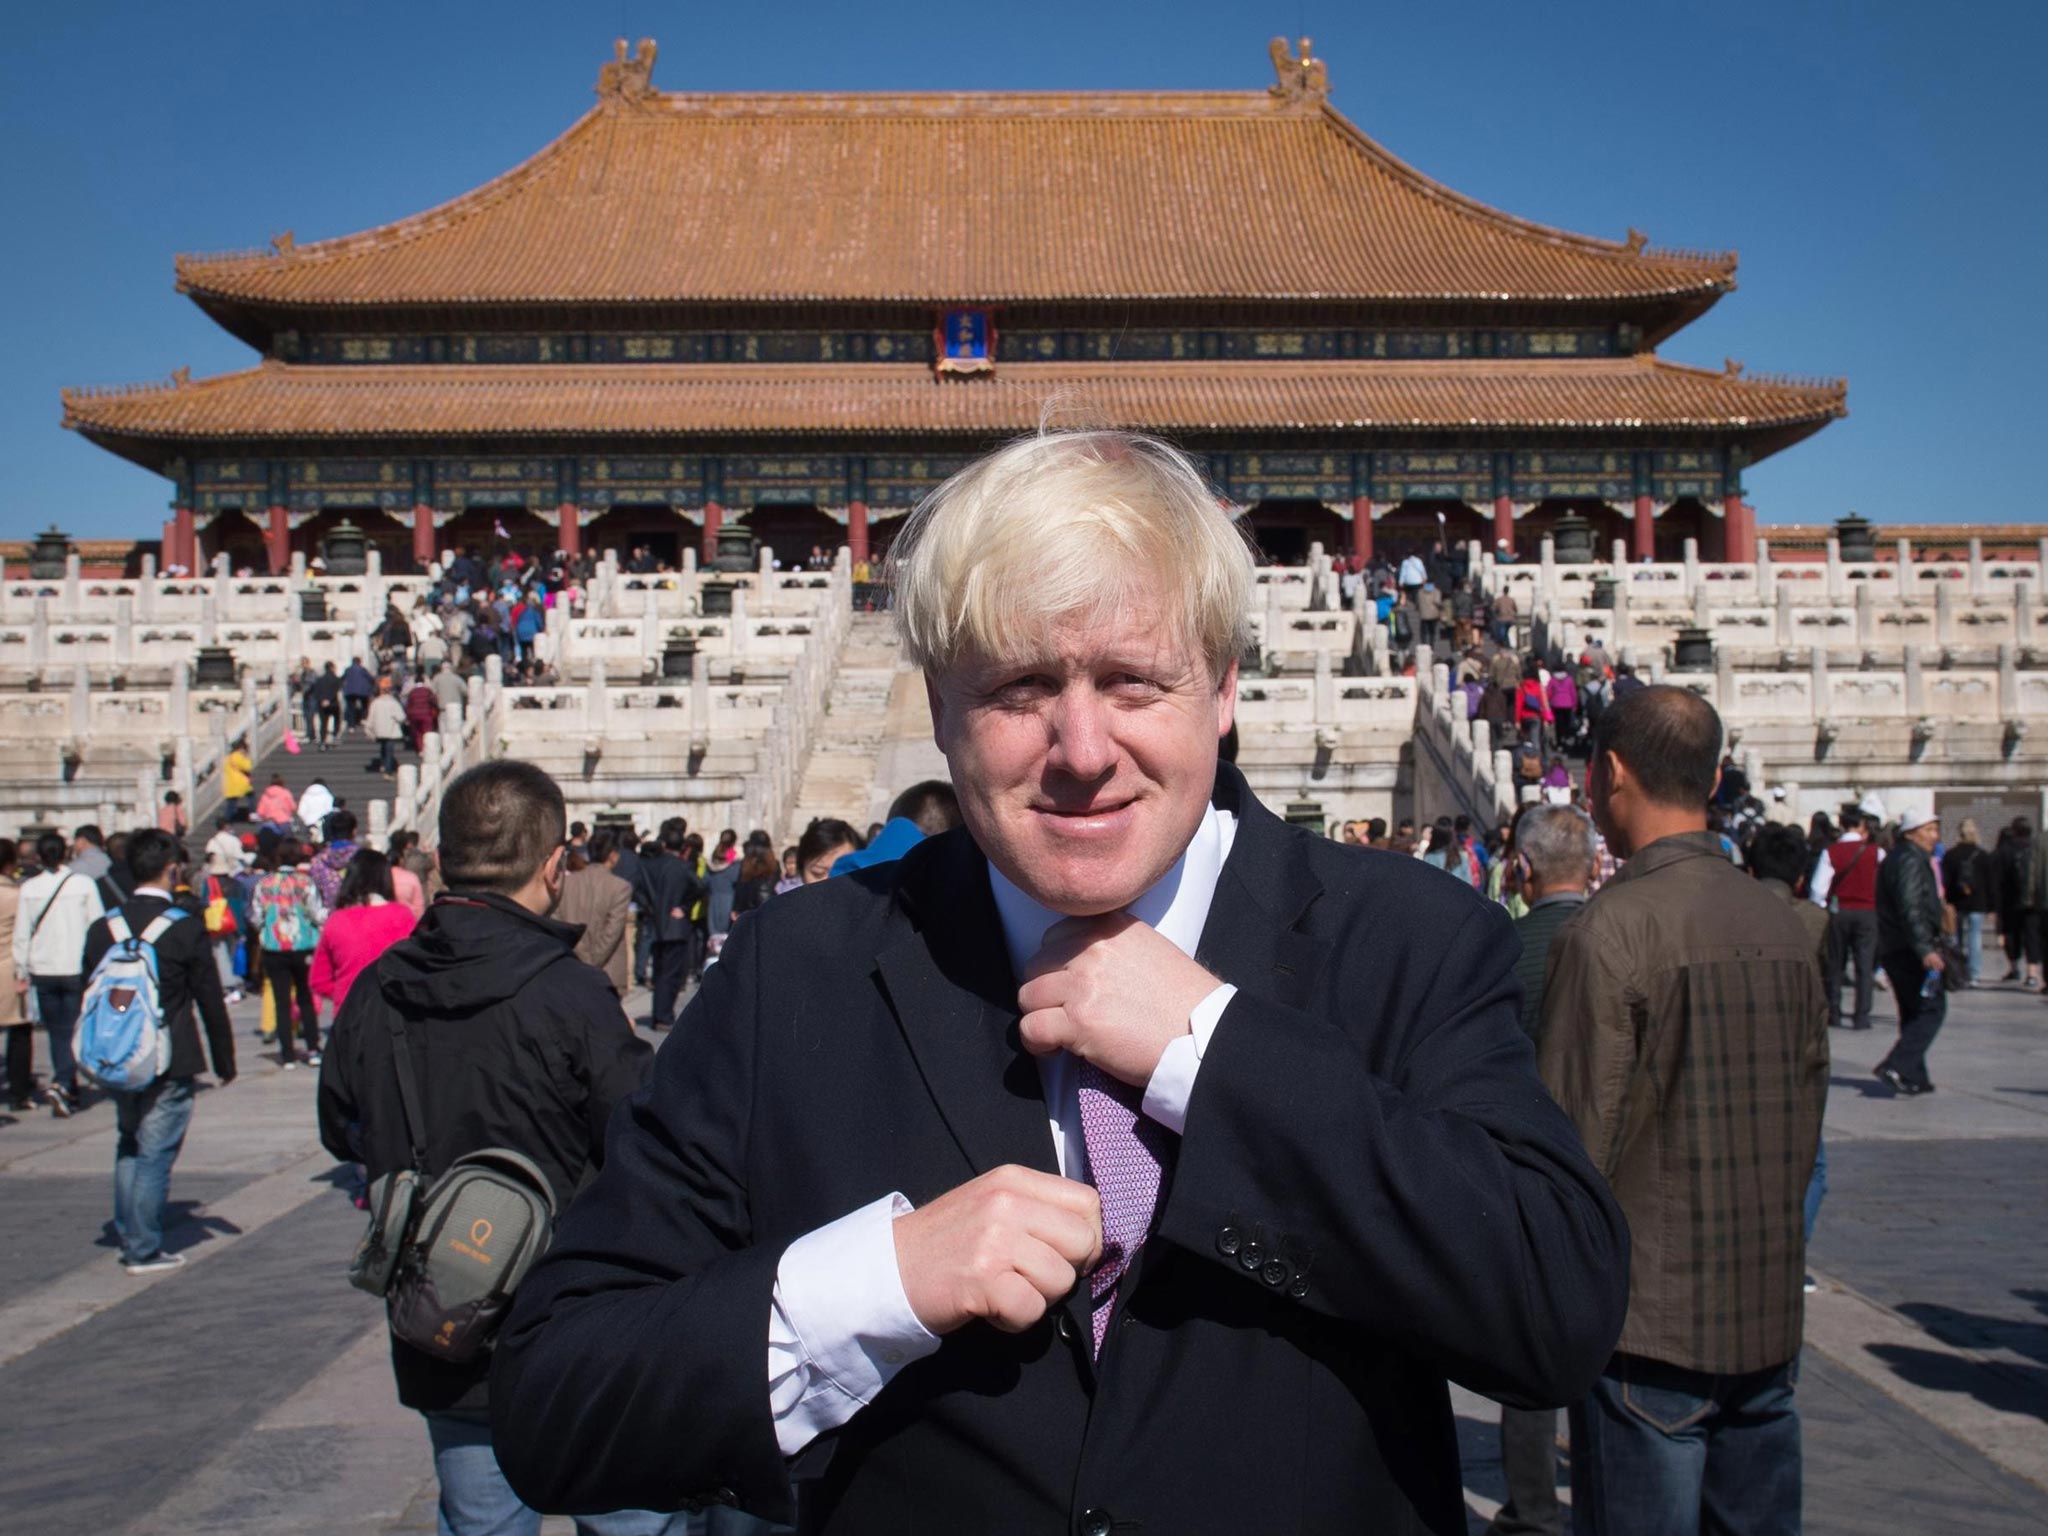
805, 311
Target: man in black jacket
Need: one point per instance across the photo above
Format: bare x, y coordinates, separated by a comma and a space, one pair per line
514, 1042
669, 887
1124, 1160
1909, 949
152, 1123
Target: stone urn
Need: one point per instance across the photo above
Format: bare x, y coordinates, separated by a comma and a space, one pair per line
1857, 537
737, 550
47, 555
1693, 650
1603, 592
1572, 540
714, 599
214, 667
346, 549
678, 655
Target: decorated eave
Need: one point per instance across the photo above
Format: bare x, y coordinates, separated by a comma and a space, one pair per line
305, 406
667, 200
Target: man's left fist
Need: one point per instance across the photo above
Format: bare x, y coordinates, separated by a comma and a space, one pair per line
1113, 991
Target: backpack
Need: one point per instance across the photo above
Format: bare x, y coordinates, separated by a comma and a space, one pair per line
121, 1040
447, 1253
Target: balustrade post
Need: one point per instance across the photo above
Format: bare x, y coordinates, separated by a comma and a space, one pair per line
79, 710
1817, 685
1916, 684
1866, 614
1766, 573
72, 593
1836, 575
380, 821
2023, 612
39, 635
1977, 575
700, 703
2008, 685
1325, 691
597, 703
1944, 611
124, 631
406, 808
739, 621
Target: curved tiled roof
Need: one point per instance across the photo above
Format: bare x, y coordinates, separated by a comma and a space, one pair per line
685, 198
279, 401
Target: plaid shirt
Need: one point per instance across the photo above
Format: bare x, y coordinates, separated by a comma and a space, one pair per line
1685, 1033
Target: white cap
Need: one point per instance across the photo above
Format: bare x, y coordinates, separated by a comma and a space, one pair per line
1917, 818
1871, 805
1777, 791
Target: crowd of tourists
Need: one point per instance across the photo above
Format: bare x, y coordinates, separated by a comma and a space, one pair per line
1038, 1157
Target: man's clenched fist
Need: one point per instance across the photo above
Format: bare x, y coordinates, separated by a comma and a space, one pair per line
1003, 1247
1112, 990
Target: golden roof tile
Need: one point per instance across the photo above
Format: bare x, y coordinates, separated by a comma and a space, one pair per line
671, 197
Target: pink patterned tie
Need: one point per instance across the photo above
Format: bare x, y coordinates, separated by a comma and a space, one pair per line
1126, 1155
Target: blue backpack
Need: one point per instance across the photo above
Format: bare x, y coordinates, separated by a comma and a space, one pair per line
121, 1041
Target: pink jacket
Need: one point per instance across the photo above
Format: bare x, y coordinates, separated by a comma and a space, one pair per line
351, 941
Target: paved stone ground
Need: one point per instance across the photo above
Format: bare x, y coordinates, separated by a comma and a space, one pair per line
252, 1394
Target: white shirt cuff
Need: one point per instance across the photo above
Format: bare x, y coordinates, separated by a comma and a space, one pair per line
840, 1326
1173, 1080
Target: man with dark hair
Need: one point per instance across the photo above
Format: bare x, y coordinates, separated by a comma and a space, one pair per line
328, 865
931, 804
669, 889
152, 1122
1844, 883
1685, 1033
514, 1043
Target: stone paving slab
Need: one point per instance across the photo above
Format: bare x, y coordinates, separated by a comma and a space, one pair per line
57, 1222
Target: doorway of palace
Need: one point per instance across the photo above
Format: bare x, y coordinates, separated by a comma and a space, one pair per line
234, 534
660, 530
391, 539
1609, 523
1413, 528
1688, 518
492, 531
1284, 528
792, 531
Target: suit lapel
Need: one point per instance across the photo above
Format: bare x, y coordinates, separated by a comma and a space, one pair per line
1251, 938
949, 983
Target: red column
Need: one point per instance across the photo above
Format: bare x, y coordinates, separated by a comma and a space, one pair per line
1739, 529
1361, 531
277, 541
1503, 524
571, 540
187, 537
1644, 546
714, 519
422, 535
167, 551
857, 531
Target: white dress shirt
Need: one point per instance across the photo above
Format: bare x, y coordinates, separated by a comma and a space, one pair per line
840, 1326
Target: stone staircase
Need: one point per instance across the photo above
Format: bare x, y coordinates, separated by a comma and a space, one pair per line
344, 769
840, 777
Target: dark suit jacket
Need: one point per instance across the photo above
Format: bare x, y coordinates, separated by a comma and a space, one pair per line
1373, 1193
595, 900
187, 984
668, 883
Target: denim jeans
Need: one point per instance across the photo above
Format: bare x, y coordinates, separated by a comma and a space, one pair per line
1657, 1448
151, 1127
1973, 942
57, 1003
477, 1501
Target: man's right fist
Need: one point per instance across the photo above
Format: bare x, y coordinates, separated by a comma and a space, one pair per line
1004, 1247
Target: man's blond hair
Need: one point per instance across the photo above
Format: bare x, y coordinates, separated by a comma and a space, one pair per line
1069, 526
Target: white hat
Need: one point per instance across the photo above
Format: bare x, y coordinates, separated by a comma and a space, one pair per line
1917, 818
1871, 805
1777, 791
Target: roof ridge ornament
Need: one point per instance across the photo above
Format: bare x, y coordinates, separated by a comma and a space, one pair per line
1732, 367
284, 243
1302, 79
628, 77
1636, 241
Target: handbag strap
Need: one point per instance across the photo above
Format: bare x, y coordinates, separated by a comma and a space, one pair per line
36, 927
409, 1095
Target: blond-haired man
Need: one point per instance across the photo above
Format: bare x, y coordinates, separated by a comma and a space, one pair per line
1122, 1160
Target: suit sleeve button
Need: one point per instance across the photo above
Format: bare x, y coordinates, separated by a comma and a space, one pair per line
1275, 1273
1064, 1326
1096, 1522
1227, 1241
1299, 1289
1251, 1256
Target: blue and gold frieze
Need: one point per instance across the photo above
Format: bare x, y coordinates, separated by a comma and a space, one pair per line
1284, 475
1569, 472
1031, 344
905, 480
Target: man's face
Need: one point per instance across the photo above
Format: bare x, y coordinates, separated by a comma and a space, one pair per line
1924, 838
1083, 767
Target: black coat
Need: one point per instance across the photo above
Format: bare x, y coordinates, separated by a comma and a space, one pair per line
667, 884
1374, 1193
187, 986
515, 1043
1908, 904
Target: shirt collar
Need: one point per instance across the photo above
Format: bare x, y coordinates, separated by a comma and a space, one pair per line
153, 890
1558, 899
1177, 904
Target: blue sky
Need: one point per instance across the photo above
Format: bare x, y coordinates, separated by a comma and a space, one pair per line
1880, 168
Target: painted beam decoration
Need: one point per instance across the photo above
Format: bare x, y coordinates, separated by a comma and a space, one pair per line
966, 342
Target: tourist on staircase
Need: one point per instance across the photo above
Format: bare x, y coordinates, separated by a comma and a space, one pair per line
323, 708
276, 808
285, 914
386, 723
14, 1020
358, 687
330, 864
422, 714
